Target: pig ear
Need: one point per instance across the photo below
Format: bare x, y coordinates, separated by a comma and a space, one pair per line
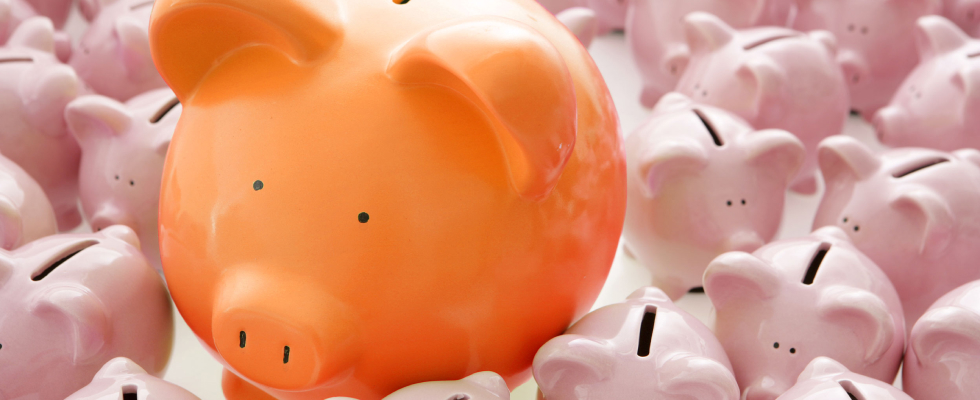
571, 360
124, 233
827, 40
944, 328
766, 77
581, 22
775, 150
933, 214
94, 117
491, 382
11, 225
706, 32
864, 312
697, 378
935, 35
47, 96
845, 158
302, 30
525, 87
737, 276
667, 160
135, 43
822, 367
86, 318
119, 366
36, 33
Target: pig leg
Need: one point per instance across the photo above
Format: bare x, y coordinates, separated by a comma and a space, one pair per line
236, 388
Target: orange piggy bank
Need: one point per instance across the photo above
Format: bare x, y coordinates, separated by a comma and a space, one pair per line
366, 194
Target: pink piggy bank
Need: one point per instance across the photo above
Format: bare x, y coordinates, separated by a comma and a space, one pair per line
479, 386
655, 31
912, 211
610, 14
114, 55
965, 13
645, 348
12, 13
122, 379
123, 149
826, 379
70, 303
25, 213
701, 182
874, 38
943, 358
34, 90
771, 77
938, 105
794, 300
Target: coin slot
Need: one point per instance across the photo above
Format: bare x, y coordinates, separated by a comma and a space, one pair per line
811, 271
710, 128
130, 392
770, 39
921, 166
164, 110
646, 331
850, 389
66, 255
16, 60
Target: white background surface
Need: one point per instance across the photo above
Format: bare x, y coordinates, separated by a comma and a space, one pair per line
193, 368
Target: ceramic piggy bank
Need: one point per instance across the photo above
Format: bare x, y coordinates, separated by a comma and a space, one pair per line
122, 379
114, 55
581, 21
965, 13
826, 379
701, 183
329, 183
771, 77
943, 358
646, 347
123, 149
874, 38
610, 14
34, 90
937, 106
655, 31
73, 302
910, 210
25, 213
794, 300
12, 13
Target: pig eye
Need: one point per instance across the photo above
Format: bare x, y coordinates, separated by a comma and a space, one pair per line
131, 183
743, 202
257, 185
646, 331
117, 177
129, 392
71, 252
775, 345
792, 350
845, 220
363, 217
729, 202
857, 228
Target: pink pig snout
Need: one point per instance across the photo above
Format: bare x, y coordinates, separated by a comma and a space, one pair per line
109, 215
854, 66
744, 241
887, 122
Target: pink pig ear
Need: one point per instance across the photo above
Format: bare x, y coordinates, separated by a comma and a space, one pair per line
95, 117
775, 150
706, 32
943, 329
46, 96
845, 158
36, 33
934, 216
135, 44
525, 86
736, 276
84, 315
697, 378
119, 366
766, 77
864, 312
491, 382
572, 360
667, 160
935, 35
822, 367
124, 233
11, 225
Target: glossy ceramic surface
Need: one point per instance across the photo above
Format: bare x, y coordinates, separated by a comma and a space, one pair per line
123, 150
70, 303
122, 379
797, 299
911, 210
610, 14
873, 38
656, 34
12, 13
937, 106
702, 182
965, 14
114, 55
330, 183
645, 347
826, 379
25, 212
34, 90
943, 358
774, 78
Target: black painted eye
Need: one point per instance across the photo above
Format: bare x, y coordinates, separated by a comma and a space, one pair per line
845, 220
257, 185
131, 183
792, 350
117, 177
729, 202
856, 228
363, 217
743, 202
775, 345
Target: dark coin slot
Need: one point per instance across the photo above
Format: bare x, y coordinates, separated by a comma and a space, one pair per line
16, 60
129, 392
164, 110
699, 289
770, 39
811, 271
71, 252
285, 355
241, 339
919, 167
973, 55
850, 389
646, 331
711, 129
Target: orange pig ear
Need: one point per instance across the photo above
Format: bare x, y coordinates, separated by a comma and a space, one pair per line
516, 77
190, 37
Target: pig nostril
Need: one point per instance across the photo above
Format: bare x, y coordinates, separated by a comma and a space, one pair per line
257, 185
363, 217
285, 355
241, 339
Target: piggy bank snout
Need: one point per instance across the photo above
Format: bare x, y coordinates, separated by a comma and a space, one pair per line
109, 216
746, 241
887, 121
